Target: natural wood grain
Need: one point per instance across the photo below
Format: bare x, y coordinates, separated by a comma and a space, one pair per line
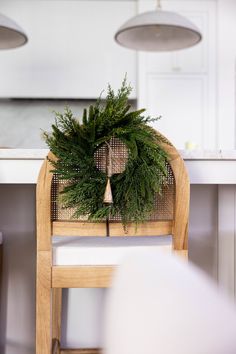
150, 228
78, 228
43, 207
81, 351
43, 303
56, 313
81, 276
75, 228
180, 228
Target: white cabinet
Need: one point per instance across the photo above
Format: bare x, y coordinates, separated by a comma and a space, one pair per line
182, 103
71, 51
181, 86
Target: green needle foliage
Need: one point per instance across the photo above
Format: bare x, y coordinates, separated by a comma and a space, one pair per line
74, 144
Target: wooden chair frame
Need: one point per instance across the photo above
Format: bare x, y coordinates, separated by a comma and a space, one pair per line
51, 279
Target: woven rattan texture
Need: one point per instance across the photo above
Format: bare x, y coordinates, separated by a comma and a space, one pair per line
114, 154
163, 208
119, 156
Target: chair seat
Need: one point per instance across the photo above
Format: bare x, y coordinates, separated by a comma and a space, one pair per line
72, 250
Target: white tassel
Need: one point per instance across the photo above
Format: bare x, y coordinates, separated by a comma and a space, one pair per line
108, 199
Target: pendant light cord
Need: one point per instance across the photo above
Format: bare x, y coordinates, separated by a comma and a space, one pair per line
158, 4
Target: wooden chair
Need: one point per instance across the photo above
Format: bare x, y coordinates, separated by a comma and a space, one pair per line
170, 217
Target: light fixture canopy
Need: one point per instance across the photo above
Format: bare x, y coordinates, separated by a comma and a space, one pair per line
11, 34
158, 31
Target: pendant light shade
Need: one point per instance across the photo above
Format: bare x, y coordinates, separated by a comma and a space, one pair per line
158, 31
11, 35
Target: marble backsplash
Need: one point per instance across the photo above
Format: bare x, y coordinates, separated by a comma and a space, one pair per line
22, 121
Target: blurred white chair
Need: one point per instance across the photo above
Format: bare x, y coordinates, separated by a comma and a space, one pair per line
169, 307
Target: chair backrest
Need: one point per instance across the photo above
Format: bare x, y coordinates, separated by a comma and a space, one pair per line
170, 213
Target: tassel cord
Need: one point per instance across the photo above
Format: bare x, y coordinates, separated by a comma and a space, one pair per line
110, 158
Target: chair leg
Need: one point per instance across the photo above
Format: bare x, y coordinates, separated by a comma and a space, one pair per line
56, 317
55, 347
43, 304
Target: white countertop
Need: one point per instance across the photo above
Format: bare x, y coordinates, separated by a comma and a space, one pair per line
21, 166
208, 154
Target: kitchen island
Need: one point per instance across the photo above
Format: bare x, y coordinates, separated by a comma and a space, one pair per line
211, 243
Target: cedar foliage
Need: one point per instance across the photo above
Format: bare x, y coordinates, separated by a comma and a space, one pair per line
74, 144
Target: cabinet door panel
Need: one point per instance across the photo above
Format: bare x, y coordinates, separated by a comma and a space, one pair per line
181, 103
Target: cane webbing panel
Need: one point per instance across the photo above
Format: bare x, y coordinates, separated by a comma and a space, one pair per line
111, 157
163, 208
118, 153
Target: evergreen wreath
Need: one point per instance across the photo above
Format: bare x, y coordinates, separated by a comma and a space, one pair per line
75, 145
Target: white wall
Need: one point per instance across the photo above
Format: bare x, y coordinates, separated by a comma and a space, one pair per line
71, 52
226, 56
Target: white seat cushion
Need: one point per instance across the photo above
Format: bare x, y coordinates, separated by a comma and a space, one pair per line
71, 250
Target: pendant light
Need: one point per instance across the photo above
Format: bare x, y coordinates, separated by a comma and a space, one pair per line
159, 31
11, 34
